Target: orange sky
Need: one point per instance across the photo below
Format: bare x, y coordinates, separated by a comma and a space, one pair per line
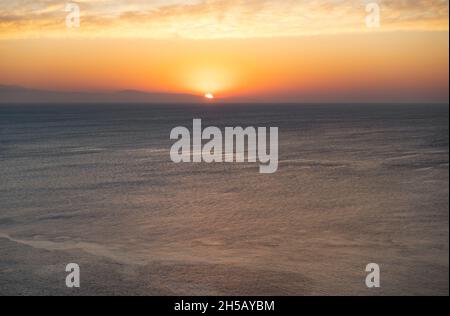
404, 60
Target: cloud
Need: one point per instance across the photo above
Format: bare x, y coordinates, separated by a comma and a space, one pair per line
200, 19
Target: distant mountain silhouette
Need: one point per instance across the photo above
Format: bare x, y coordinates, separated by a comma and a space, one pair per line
16, 94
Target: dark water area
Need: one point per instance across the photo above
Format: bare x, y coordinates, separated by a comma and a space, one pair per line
94, 185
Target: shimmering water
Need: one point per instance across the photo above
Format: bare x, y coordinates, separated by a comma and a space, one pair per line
94, 184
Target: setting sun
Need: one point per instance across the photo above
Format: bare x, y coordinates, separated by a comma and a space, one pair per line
224, 148
287, 53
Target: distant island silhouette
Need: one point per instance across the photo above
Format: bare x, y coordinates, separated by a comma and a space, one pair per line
18, 94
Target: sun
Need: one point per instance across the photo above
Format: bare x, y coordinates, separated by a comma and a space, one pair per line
209, 96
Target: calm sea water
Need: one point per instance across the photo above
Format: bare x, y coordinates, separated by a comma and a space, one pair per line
94, 185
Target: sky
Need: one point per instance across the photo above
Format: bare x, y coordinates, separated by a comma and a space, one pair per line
271, 50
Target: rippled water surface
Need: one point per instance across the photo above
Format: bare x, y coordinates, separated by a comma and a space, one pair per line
94, 184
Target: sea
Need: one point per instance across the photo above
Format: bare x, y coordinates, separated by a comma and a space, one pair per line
94, 184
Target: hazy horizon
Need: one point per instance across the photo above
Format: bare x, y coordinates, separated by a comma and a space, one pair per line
19, 94
224, 147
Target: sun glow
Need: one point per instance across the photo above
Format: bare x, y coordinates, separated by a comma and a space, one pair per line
209, 96
208, 77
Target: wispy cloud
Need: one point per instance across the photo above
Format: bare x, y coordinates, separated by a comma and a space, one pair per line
200, 19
